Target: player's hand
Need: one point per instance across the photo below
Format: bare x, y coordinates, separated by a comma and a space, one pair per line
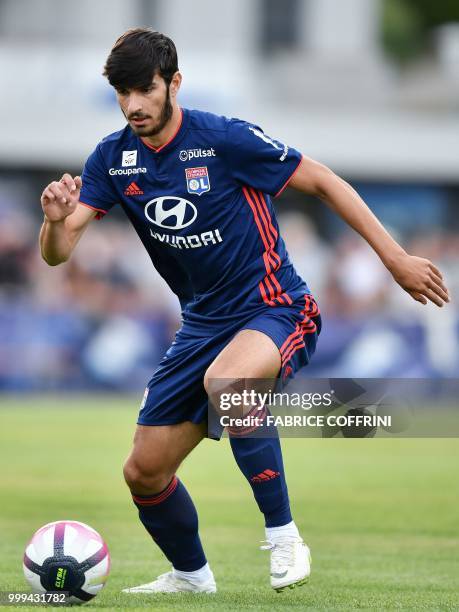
60, 198
421, 279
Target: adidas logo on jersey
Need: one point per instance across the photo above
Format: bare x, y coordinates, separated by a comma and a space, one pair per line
133, 189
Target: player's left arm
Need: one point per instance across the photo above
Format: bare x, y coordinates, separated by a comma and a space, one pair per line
416, 275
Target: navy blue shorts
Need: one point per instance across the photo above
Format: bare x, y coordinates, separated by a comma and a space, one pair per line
176, 391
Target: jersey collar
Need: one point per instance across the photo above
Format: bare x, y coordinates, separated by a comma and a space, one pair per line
175, 138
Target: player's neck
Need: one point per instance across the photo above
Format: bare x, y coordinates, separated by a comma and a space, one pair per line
169, 131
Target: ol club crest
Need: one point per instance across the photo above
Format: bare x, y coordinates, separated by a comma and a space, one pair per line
197, 180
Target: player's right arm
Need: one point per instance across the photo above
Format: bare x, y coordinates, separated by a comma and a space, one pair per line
65, 219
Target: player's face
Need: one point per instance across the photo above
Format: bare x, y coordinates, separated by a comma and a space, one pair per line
147, 110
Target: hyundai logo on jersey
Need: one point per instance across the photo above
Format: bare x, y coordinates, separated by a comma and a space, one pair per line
171, 212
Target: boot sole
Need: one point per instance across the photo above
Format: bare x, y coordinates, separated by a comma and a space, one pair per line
293, 585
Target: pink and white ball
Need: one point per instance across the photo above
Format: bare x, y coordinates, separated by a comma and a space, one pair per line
67, 556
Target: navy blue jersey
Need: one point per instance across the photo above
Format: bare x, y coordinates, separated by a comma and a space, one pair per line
201, 207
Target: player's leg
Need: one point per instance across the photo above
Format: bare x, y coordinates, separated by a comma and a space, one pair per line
253, 355
250, 354
156, 454
165, 507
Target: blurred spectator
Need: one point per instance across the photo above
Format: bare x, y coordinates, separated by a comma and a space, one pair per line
311, 256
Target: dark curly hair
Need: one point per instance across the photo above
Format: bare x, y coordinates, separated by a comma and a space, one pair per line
137, 55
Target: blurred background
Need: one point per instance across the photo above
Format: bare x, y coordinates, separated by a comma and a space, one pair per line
368, 87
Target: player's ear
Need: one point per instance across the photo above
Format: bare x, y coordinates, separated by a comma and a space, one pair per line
175, 84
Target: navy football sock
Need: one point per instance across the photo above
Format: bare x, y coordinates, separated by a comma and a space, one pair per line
260, 460
171, 519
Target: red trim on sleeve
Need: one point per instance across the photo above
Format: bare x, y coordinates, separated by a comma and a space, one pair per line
157, 150
100, 212
289, 179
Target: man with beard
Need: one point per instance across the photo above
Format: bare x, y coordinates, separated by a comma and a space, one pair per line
197, 188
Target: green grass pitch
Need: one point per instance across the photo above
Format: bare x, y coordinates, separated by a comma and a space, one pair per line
380, 515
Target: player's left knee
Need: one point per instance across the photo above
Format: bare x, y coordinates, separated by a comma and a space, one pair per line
146, 479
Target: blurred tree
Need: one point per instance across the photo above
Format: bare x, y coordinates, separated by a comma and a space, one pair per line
401, 30
406, 25
434, 13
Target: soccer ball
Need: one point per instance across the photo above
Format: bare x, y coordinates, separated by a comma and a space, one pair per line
67, 556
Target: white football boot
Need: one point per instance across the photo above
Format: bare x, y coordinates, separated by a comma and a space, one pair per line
290, 562
170, 583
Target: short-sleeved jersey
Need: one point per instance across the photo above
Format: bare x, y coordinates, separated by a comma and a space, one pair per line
201, 207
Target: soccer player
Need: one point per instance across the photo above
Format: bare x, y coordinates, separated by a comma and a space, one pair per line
197, 188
